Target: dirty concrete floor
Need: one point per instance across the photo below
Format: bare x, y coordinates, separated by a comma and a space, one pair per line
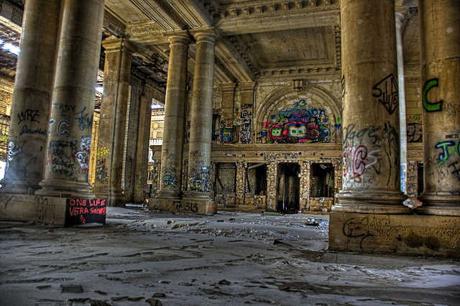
144, 258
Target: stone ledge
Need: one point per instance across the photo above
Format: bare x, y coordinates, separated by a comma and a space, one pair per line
40, 209
397, 234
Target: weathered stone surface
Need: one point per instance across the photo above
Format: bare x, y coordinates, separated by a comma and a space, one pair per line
399, 234
40, 209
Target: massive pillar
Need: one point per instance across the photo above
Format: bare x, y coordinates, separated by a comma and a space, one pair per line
272, 180
369, 216
199, 161
69, 139
241, 183
305, 174
32, 97
173, 135
142, 152
440, 37
112, 124
370, 113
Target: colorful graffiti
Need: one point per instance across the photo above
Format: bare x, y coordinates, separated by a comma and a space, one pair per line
428, 105
297, 124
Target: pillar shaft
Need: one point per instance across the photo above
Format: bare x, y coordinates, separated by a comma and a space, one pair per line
32, 97
370, 114
272, 179
199, 161
440, 37
241, 172
142, 153
173, 135
112, 125
69, 138
305, 174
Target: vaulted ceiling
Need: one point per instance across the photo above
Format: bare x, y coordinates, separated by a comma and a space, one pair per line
256, 38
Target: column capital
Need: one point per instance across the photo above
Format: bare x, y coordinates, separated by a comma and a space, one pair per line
247, 86
114, 44
205, 35
228, 87
178, 37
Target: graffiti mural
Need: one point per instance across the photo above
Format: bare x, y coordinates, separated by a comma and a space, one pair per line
297, 123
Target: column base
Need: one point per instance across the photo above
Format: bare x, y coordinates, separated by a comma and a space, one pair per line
397, 234
198, 203
18, 187
442, 204
40, 209
63, 189
191, 203
114, 197
370, 202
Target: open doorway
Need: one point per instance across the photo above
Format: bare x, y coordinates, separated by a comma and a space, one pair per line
257, 179
322, 180
288, 188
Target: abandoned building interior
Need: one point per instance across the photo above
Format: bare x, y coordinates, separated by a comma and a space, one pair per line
334, 120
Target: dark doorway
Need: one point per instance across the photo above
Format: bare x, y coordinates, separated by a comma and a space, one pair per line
322, 180
420, 181
257, 179
288, 188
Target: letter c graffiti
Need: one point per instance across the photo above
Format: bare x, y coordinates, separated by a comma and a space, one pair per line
431, 106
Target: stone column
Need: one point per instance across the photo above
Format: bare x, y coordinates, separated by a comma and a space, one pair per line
199, 161
370, 115
272, 179
241, 169
173, 136
112, 124
440, 37
69, 139
32, 97
305, 170
337, 164
226, 123
142, 153
246, 111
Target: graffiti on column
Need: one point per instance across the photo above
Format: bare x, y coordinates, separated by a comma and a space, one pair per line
169, 178
386, 92
271, 185
199, 180
412, 177
305, 184
246, 122
101, 164
61, 153
297, 123
84, 119
414, 132
449, 155
27, 118
13, 150
367, 151
82, 155
428, 105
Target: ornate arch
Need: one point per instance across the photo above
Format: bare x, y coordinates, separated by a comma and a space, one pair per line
315, 96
